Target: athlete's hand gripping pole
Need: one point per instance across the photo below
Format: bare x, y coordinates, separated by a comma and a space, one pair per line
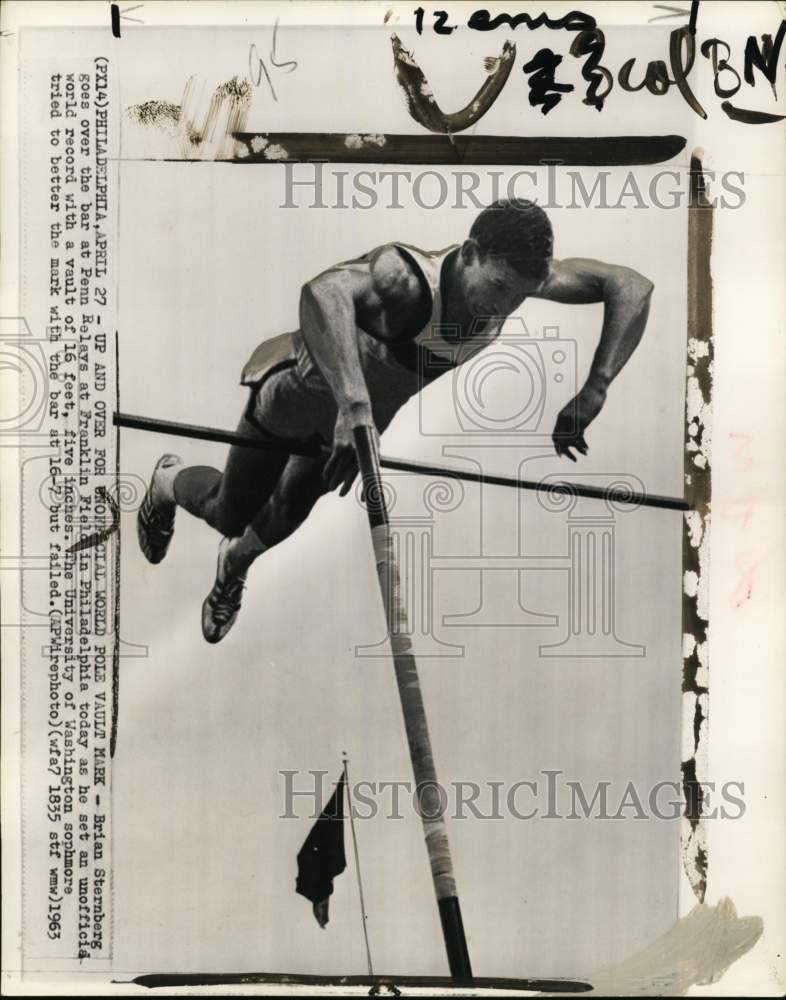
342, 467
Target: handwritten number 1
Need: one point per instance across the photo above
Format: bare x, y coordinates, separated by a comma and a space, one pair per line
441, 27
255, 61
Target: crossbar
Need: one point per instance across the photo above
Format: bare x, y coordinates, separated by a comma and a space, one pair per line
614, 494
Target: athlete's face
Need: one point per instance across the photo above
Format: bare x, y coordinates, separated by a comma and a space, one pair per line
491, 286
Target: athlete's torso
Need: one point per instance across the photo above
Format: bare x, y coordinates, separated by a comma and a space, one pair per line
409, 322
413, 319
400, 296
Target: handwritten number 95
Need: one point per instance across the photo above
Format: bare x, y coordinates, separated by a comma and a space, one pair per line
257, 66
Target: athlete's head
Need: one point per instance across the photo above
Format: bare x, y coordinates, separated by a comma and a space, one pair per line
506, 257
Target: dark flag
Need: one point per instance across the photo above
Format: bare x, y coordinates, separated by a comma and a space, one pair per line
322, 857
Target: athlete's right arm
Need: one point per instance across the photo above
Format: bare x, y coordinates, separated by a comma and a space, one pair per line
327, 322
379, 286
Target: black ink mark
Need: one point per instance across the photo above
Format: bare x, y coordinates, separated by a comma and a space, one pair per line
656, 79
158, 980
592, 44
682, 69
471, 150
575, 20
760, 54
543, 89
115, 13
750, 117
764, 58
694, 16
420, 97
709, 49
441, 27
90, 541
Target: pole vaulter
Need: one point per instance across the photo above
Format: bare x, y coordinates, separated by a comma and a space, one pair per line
374, 332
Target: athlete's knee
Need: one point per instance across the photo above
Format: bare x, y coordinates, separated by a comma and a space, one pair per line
228, 523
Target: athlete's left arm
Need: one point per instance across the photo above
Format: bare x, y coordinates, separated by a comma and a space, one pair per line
626, 297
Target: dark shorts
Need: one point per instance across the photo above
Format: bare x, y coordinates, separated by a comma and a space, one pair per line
296, 402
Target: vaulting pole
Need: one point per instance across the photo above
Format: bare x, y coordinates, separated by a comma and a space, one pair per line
430, 805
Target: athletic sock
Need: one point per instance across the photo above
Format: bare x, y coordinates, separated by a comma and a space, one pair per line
245, 549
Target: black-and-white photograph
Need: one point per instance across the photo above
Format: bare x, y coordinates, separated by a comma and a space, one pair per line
393, 494
496, 357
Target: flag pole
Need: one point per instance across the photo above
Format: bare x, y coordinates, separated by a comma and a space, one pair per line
430, 805
363, 916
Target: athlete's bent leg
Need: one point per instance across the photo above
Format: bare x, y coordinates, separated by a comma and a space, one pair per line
295, 494
226, 500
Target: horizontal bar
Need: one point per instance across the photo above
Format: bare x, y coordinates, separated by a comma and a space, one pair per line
616, 494
463, 149
201, 433
263, 442
175, 979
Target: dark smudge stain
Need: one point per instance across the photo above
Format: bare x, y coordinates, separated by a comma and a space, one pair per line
696, 524
155, 113
211, 134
